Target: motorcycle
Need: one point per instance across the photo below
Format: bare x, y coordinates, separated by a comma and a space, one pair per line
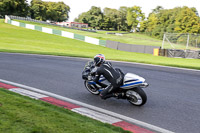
131, 87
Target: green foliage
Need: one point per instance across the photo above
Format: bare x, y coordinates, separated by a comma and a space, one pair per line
14, 7
134, 16
159, 21
53, 11
109, 19
93, 17
106, 24
38, 9
176, 20
187, 21
114, 17
82, 18
143, 26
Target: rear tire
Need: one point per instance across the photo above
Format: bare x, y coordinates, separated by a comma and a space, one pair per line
91, 88
136, 96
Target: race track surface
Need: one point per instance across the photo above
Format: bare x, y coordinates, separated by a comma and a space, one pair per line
173, 95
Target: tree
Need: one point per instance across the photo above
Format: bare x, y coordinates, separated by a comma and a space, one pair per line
94, 17
82, 18
151, 22
106, 24
57, 11
187, 21
14, 7
143, 26
123, 20
54, 11
176, 20
195, 11
114, 16
134, 16
157, 9
38, 10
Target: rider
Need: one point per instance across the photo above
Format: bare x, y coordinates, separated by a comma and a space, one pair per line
114, 76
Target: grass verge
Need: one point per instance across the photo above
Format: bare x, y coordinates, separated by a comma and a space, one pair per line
20, 114
21, 40
130, 38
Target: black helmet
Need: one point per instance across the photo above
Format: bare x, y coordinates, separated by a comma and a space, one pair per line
98, 59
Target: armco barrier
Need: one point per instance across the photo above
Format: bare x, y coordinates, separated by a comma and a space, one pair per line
67, 34
57, 32
130, 47
112, 44
47, 30
92, 40
79, 37
22, 25
102, 42
39, 28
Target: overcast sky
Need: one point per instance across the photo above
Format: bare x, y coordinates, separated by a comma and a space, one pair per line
79, 6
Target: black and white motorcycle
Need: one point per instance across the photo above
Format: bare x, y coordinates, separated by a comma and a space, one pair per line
131, 87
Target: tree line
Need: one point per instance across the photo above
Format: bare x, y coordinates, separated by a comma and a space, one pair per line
38, 9
159, 21
124, 19
176, 20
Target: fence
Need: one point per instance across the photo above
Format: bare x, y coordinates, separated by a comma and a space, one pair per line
181, 45
177, 53
181, 41
130, 47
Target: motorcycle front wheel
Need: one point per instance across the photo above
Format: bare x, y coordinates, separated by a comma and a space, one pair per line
136, 96
91, 88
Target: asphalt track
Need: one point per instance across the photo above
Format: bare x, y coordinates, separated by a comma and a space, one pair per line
173, 95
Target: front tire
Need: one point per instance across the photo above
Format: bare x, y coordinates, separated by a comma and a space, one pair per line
91, 88
136, 96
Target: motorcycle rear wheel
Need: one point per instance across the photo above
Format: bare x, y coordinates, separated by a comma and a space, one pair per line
91, 88
136, 96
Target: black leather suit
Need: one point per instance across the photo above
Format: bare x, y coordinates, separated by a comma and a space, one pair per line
114, 76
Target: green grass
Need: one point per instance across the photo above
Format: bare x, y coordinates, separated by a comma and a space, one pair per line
130, 38
21, 40
20, 114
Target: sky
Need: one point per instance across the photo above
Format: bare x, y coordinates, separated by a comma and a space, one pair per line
79, 6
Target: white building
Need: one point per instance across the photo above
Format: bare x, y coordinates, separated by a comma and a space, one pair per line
73, 24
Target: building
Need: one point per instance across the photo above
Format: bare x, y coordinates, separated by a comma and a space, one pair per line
73, 24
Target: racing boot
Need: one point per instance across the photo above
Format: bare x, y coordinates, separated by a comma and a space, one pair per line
119, 95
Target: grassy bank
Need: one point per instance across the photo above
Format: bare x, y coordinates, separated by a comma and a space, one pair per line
19, 114
130, 38
21, 40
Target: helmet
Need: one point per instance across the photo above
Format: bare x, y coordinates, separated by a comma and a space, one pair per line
98, 59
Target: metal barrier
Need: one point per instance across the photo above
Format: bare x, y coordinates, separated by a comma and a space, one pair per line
130, 47
177, 53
